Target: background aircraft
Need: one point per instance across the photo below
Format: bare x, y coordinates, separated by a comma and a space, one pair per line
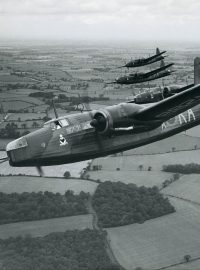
159, 94
140, 77
107, 131
145, 61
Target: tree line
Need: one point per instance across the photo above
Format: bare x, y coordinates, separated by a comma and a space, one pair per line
16, 207
184, 169
118, 204
72, 250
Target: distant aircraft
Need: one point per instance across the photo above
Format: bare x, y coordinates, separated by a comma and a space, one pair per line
145, 61
140, 77
159, 94
106, 131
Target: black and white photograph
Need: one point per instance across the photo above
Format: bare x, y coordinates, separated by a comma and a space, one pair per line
99, 135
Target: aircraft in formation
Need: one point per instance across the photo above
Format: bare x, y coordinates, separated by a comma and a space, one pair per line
140, 77
145, 61
110, 130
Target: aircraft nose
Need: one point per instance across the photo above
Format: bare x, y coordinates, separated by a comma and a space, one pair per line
16, 144
16, 150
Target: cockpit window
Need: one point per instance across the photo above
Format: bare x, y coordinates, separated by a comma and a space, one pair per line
64, 122
57, 124
19, 143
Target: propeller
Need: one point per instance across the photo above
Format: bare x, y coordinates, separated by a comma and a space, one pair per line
95, 123
2, 160
98, 123
40, 171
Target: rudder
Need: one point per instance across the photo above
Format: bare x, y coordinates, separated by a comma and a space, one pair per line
157, 51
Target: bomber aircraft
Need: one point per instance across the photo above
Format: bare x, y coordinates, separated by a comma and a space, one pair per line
145, 61
159, 94
140, 77
110, 130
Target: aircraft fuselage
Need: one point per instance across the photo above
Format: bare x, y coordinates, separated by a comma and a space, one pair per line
78, 141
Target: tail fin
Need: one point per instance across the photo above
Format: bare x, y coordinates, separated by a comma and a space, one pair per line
157, 51
197, 70
162, 63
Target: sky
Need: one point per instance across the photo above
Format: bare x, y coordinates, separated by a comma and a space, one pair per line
100, 19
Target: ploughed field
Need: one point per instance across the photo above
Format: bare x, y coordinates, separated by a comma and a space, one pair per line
188, 187
140, 178
44, 227
20, 184
160, 242
179, 142
155, 161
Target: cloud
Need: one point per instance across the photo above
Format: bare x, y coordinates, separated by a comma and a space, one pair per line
95, 18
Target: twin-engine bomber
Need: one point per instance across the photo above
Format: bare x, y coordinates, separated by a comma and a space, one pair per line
140, 77
98, 133
146, 61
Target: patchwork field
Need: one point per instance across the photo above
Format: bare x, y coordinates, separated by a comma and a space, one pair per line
140, 178
20, 184
188, 187
175, 143
160, 242
24, 117
194, 265
156, 162
3, 143
44, 227
194, 131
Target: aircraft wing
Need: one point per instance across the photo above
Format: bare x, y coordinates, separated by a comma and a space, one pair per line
155, 71
170, 107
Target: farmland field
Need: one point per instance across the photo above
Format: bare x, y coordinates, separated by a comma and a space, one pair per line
24, 117
16, 104
194, 265
160, 242
188, 187
44, 227
178, 142
194, 131
140, 178
19, 184
156, 162
3, 143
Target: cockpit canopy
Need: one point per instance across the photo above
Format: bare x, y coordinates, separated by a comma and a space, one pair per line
148, 97
57, 123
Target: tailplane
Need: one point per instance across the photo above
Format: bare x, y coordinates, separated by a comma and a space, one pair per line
197, 70
162, 63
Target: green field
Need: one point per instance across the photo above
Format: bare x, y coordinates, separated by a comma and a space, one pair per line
194, 265
3, 143
20, 184
44, 227
188, 187
160, 242
156, 162
194, 131
140, 178
178, 142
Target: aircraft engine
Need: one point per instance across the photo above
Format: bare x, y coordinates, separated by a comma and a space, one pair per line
119, 116
169, 91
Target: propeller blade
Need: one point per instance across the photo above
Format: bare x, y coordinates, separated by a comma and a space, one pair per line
2, 160
40, 171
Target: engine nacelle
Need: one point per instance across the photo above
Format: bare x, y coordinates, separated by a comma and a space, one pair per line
169, 91
118, 116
